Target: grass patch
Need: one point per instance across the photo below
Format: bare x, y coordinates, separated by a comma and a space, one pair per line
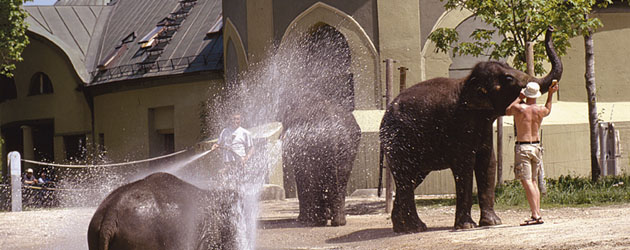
561, 192
570, 191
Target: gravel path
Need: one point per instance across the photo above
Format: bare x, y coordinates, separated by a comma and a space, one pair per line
368, 227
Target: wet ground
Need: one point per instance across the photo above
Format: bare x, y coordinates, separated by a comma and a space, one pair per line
606, 227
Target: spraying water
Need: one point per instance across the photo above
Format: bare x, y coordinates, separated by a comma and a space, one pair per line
317, 63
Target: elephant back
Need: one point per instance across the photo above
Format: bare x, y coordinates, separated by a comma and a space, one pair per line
162, 211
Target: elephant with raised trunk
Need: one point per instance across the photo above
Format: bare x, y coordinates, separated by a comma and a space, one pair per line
162, 211
447, 123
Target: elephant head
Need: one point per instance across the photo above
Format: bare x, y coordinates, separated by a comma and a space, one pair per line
494, 85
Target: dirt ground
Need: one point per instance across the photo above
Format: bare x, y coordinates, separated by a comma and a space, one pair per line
368, 228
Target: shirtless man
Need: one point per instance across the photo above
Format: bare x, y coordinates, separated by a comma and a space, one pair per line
528, 151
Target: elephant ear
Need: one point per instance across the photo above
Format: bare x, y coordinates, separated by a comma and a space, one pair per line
475, 95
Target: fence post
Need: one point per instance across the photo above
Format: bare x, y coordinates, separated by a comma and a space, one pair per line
16, 181
389, 96
602, 127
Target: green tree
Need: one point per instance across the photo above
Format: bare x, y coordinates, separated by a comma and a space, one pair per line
13, 37
517, 22
520, 22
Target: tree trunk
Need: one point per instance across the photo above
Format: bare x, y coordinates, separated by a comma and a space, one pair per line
589, 76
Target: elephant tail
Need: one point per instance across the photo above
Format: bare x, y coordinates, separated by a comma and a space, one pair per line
101, 230
380, 171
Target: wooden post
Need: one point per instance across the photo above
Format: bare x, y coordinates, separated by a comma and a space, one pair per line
389, 182
500, 150
529, 58
403, 78
602, 127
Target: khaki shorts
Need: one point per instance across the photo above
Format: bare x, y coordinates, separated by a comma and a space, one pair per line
527, 161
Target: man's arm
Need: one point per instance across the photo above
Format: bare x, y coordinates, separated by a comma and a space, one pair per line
552, 89
511, 110
220, 142
250, 148
249, 154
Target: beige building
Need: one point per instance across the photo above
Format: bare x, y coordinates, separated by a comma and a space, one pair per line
130, 76
97, 80
377, 30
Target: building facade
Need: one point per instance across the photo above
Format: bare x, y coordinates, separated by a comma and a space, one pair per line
378, 30
97, 73
132, 77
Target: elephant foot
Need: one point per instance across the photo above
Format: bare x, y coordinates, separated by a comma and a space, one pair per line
339, 220
410, 227
489, 219
467, 223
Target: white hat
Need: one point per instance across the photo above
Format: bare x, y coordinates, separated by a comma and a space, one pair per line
29, 170
532, 90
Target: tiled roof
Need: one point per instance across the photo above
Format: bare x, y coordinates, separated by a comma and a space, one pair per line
89, 33
189, 48
69, 27
81, 2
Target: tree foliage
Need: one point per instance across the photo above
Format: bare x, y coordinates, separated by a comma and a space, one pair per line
518, 22
13, 37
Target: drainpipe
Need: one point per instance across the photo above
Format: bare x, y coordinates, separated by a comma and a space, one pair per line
89, 98
389, 95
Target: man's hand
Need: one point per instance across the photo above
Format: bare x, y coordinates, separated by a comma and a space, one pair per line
554, 87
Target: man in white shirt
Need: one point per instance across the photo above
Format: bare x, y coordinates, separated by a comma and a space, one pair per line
236, 143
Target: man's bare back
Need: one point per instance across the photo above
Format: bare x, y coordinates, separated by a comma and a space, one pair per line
528, 116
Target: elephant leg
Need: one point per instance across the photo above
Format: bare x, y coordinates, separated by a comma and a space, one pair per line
310, 197
485, 174
319, 210
288, 178
404, 214
338, 211
463, 185
304, 196
338, 201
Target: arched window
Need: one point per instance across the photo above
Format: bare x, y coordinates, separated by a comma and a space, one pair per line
7, 88
40, 84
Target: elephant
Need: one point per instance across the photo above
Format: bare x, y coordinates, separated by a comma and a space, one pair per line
320, 139
447, 123
162, 211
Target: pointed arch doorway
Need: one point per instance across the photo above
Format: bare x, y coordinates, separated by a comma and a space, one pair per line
363, 59
328, 65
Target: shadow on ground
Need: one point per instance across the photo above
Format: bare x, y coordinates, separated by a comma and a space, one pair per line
373, 234
279, 223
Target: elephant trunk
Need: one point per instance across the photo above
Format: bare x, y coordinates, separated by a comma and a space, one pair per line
556, 64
